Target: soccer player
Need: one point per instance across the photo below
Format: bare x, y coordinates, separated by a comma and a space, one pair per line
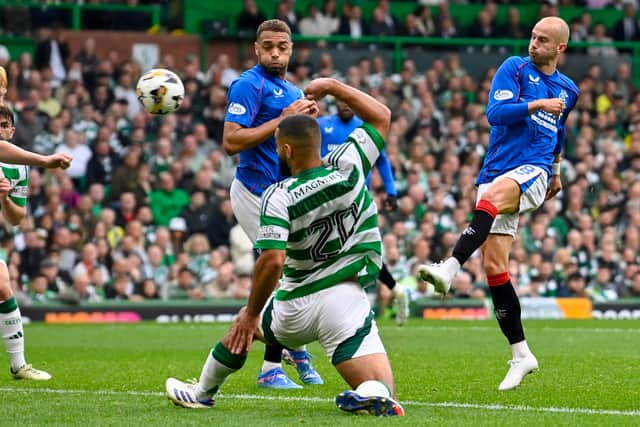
258, 101
14, 180
335, 129
528, 106
319, 227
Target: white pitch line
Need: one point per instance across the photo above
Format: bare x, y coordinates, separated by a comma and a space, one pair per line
457, 405
530, 328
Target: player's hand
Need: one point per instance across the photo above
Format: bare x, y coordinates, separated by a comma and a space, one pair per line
318, 88
5, 187
553, 106
555, 185
240, 337
390, 203
58, 160
301, 106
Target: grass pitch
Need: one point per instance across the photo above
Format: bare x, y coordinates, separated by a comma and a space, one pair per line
447, 373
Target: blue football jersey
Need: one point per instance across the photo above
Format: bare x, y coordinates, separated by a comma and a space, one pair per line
517, 137
254, 98
334, 131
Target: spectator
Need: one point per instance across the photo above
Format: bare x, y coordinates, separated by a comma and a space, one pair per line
125, 176
52, 51
47, 141
599, 36
102, 164
249, 19
168, 201
27, 127
185, 286
315, 24
74, 146
351, 23
627, 28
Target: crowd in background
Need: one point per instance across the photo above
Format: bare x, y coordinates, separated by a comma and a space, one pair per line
144, 211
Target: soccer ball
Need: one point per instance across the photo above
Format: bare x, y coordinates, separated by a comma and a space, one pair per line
160, 91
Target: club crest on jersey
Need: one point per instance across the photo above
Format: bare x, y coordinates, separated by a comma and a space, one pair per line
502, 94
237, 109
563, 95
278, 92
534, 80
359, 135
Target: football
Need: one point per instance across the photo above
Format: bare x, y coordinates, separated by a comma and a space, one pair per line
160, 91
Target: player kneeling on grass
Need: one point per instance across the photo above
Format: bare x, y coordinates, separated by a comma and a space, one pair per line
14, 180
318, 231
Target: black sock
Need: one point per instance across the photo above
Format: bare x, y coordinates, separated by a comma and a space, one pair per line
273, 353
476, 232
385, 277
506, 307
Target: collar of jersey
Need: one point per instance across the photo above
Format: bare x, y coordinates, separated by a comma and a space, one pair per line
309, 173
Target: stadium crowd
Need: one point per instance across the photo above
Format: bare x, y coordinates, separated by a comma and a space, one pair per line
144, 211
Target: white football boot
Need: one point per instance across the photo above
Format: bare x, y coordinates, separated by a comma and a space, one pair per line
440, 275
518, 370
28, 372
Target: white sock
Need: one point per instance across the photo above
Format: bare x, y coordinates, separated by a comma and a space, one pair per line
267, 366
213, 375
12, 333
373, 388
520, 350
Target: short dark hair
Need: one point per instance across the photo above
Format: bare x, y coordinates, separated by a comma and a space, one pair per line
299, 127
274, 25
6, 112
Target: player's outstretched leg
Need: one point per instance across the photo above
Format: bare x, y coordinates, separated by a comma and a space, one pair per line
440, 275
219, 365
13, 337
507, 311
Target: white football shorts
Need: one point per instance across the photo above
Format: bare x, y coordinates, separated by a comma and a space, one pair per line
339, 318
246, 208
533, 189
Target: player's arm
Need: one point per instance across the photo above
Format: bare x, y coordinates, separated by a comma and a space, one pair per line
272, 241
386, 173
237, 138
363, 105
504, 107
245, 99
12, 201
267, 273
10, 153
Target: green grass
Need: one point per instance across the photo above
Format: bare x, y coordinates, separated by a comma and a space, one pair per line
447, 373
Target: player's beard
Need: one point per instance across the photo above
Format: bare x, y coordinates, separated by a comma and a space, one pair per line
285, 170
276, 71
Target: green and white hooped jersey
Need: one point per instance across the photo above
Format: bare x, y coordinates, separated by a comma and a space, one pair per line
18, 176
326, 220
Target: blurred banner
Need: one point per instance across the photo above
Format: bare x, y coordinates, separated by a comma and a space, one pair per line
225, 311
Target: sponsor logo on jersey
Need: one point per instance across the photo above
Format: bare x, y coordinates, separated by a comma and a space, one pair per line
328, 129
278, 92
237, 109
21, 192
533, 79
502, 94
